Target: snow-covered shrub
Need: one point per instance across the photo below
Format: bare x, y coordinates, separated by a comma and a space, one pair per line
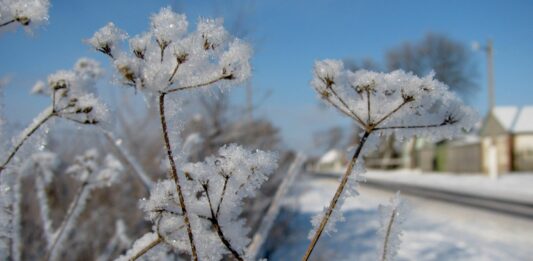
72, 99
382, 104
27, 13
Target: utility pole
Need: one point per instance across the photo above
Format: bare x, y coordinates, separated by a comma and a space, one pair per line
490, 74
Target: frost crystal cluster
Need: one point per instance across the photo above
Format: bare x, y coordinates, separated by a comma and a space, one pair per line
214, 191
24, 12
382, 104
168, 58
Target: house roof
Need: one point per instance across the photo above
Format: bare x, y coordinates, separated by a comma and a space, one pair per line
524, 120
514, 119
506, 116
331, 156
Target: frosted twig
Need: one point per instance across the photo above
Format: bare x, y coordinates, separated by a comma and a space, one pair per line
335, 198
174, 174
43, 118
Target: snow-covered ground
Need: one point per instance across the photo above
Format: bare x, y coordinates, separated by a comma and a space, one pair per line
514, 186
434, 230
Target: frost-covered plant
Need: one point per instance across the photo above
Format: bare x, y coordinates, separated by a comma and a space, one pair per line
215, 190
382, 104
392, 217
169, 59
71, 99
92, 171
25, 12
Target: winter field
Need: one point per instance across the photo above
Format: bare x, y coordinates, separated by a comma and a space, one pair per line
433, 230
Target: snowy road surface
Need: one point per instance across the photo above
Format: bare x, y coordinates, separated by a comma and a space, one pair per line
434, 230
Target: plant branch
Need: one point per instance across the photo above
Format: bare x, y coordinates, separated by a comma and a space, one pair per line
174, 174
387, 234
147, 248
222, 77
335, 198
226, 178
347, 107
43, 117
415, 126
80, 196
216, 225
405, 101
8, 22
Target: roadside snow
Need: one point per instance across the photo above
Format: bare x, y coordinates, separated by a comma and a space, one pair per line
514, 187
433, 230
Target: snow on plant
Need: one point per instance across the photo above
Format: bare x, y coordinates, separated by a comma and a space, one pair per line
71, 99
25, 12
92, 171
392, 218
383, 104
215, 191
170, 59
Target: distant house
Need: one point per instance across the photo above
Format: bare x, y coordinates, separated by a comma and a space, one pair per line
333, 161
509, 128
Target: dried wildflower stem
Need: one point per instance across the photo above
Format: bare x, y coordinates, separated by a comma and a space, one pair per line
147, 248
68, 218
335, 198
46, 115
387, 234
129, 160
174, 174
214, 222
7, 23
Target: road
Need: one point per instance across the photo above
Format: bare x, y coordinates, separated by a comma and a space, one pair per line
433, 230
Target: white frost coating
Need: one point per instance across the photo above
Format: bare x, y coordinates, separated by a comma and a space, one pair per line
428, 105
169, 58
392, 218
107, 38
88, 169
6, 215
28, 13
213, 189
42, 165
167, 25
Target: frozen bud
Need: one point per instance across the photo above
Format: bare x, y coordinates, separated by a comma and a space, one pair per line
106, 39
212, 32
139, 44
61, 80
128, 69
235, 61
168, 26
28, 12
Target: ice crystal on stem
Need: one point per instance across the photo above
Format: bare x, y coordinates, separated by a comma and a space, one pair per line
382, 104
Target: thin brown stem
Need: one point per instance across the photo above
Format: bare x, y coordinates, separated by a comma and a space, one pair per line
216, 225
387, 235
414, 126
368, 105
347, 107
8, 22
222, 77
174, 174
174, 72
147, 248
226, 178
392, 112
47, 114
347, 113
335, 198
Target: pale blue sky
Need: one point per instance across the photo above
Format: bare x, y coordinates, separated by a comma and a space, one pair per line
288, 37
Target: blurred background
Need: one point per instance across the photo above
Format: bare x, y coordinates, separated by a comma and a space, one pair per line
471, 197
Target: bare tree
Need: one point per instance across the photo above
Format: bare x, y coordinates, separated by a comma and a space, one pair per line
451, 60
